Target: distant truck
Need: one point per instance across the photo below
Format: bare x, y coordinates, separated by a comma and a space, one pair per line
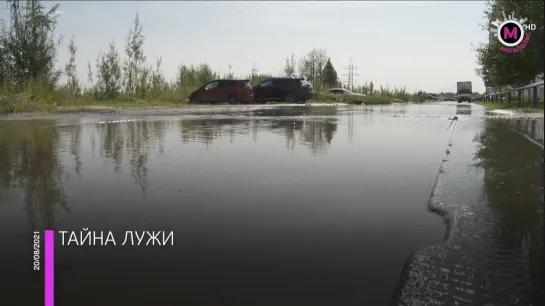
464, 92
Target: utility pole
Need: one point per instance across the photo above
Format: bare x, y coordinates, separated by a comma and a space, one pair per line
351, 75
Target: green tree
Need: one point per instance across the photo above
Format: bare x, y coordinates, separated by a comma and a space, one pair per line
311, 66
135, 60
3, 55
330, 74
109, 73
230, 75
256, 77
90, 82
499, 69
28, 46
157, 80
70, 69
289, 66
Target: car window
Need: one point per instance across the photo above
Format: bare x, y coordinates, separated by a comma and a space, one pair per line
212, 85
464, 91
246, 84
267, 83
283, 82
227, 84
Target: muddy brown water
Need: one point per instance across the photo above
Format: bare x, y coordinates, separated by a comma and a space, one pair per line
279, 205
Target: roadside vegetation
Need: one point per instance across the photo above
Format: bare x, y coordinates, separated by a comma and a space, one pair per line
524, 107
123, 75
509, 71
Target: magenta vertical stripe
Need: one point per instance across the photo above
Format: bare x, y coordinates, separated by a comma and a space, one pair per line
49, 267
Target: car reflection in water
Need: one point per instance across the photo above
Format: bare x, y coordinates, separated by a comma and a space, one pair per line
463, 109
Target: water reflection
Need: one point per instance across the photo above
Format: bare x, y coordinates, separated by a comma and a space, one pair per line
287, 128
133, 140
74, 133
209, 129
289, 111
532, 128
30, 163
513, 185
30, 150
315, 134
463, 109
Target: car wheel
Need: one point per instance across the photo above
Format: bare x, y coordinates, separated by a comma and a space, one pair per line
232, 100
289, 98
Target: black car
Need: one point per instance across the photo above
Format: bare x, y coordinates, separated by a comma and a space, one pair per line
283, 89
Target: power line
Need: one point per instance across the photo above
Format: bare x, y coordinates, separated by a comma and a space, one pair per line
351, 75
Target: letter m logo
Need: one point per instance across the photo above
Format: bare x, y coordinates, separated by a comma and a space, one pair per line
514, 33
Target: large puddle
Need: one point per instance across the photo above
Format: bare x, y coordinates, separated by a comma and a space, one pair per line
273, 206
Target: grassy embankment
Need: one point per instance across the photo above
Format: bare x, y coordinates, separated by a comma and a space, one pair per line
524, 107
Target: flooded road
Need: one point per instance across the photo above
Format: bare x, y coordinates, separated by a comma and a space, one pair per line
276, 205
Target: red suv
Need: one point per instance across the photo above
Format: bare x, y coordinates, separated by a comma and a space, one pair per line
232, 91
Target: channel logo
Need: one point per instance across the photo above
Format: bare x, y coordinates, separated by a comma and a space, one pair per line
513, 33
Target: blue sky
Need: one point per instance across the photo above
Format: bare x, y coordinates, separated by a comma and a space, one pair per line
420, 45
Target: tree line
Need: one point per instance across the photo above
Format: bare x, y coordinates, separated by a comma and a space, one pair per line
28, 51
501, 70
